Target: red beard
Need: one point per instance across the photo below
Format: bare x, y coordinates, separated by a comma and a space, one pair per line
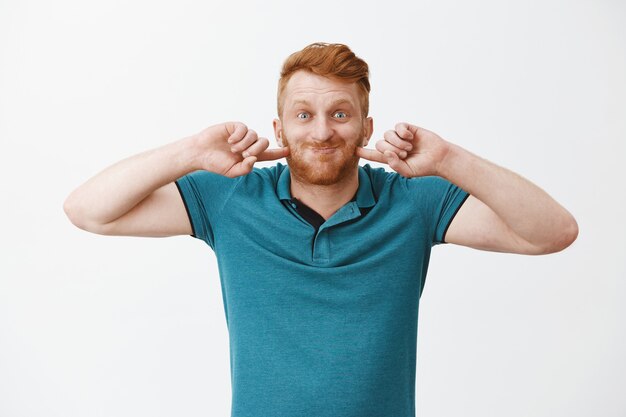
310, 167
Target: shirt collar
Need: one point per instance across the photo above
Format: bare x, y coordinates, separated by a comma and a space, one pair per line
364, 194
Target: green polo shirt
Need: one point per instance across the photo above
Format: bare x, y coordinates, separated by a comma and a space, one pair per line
321, 322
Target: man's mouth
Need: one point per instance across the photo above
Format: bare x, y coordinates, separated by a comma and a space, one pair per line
324, 149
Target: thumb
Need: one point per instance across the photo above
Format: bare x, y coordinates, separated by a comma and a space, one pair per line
397, 164
242, 168
248, 163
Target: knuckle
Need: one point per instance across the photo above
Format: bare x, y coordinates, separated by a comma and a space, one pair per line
258, 146
239, 127
251, 138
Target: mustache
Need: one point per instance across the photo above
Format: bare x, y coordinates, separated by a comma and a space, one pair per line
322, 147
329, 145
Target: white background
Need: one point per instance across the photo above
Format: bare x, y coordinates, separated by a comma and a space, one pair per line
119, 326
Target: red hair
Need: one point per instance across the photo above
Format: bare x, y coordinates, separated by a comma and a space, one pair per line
332, 60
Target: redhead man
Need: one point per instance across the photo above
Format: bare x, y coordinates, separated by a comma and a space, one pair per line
322, 261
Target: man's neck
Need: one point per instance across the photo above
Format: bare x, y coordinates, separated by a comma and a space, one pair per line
326, 199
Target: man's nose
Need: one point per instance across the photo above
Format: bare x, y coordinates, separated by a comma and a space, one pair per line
322, 129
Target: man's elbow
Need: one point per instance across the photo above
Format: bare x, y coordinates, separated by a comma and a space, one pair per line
71, 213
77, 219
565, 236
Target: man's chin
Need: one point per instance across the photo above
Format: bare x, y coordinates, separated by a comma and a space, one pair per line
320, 172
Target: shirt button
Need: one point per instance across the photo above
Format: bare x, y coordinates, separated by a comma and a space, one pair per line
294, 205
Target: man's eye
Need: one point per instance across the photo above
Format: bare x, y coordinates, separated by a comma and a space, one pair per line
340, 115
302, 115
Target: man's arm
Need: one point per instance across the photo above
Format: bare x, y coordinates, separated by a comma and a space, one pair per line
137, 196
505, 212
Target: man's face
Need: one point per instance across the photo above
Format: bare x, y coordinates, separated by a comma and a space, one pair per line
322, 125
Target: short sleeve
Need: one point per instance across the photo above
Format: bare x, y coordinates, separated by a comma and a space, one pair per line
204, 194
439, 198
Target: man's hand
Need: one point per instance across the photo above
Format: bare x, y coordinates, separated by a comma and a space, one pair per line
504, 212
409, 150
111, 204
231, 149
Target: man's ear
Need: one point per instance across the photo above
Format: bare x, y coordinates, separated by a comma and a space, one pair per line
368, 130
278, 132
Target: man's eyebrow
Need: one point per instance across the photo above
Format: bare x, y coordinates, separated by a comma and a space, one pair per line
341, 101
334, 103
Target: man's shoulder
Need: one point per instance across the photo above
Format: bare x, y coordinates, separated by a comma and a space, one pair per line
207, 181
263, 182
376, 173
381, 179
269, 174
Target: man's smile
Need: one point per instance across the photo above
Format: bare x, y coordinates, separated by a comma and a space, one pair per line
324, 150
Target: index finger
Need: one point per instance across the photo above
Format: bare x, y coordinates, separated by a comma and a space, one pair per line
271, 154
370, 154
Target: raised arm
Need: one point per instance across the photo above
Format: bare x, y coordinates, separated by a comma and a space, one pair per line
505, 212
137, 196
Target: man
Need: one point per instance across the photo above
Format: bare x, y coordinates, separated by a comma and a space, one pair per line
322, 262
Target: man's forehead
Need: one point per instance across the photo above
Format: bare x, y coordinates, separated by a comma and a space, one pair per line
303, 83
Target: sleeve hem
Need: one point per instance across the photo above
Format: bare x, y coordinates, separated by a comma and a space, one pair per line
445, 231
193, 230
